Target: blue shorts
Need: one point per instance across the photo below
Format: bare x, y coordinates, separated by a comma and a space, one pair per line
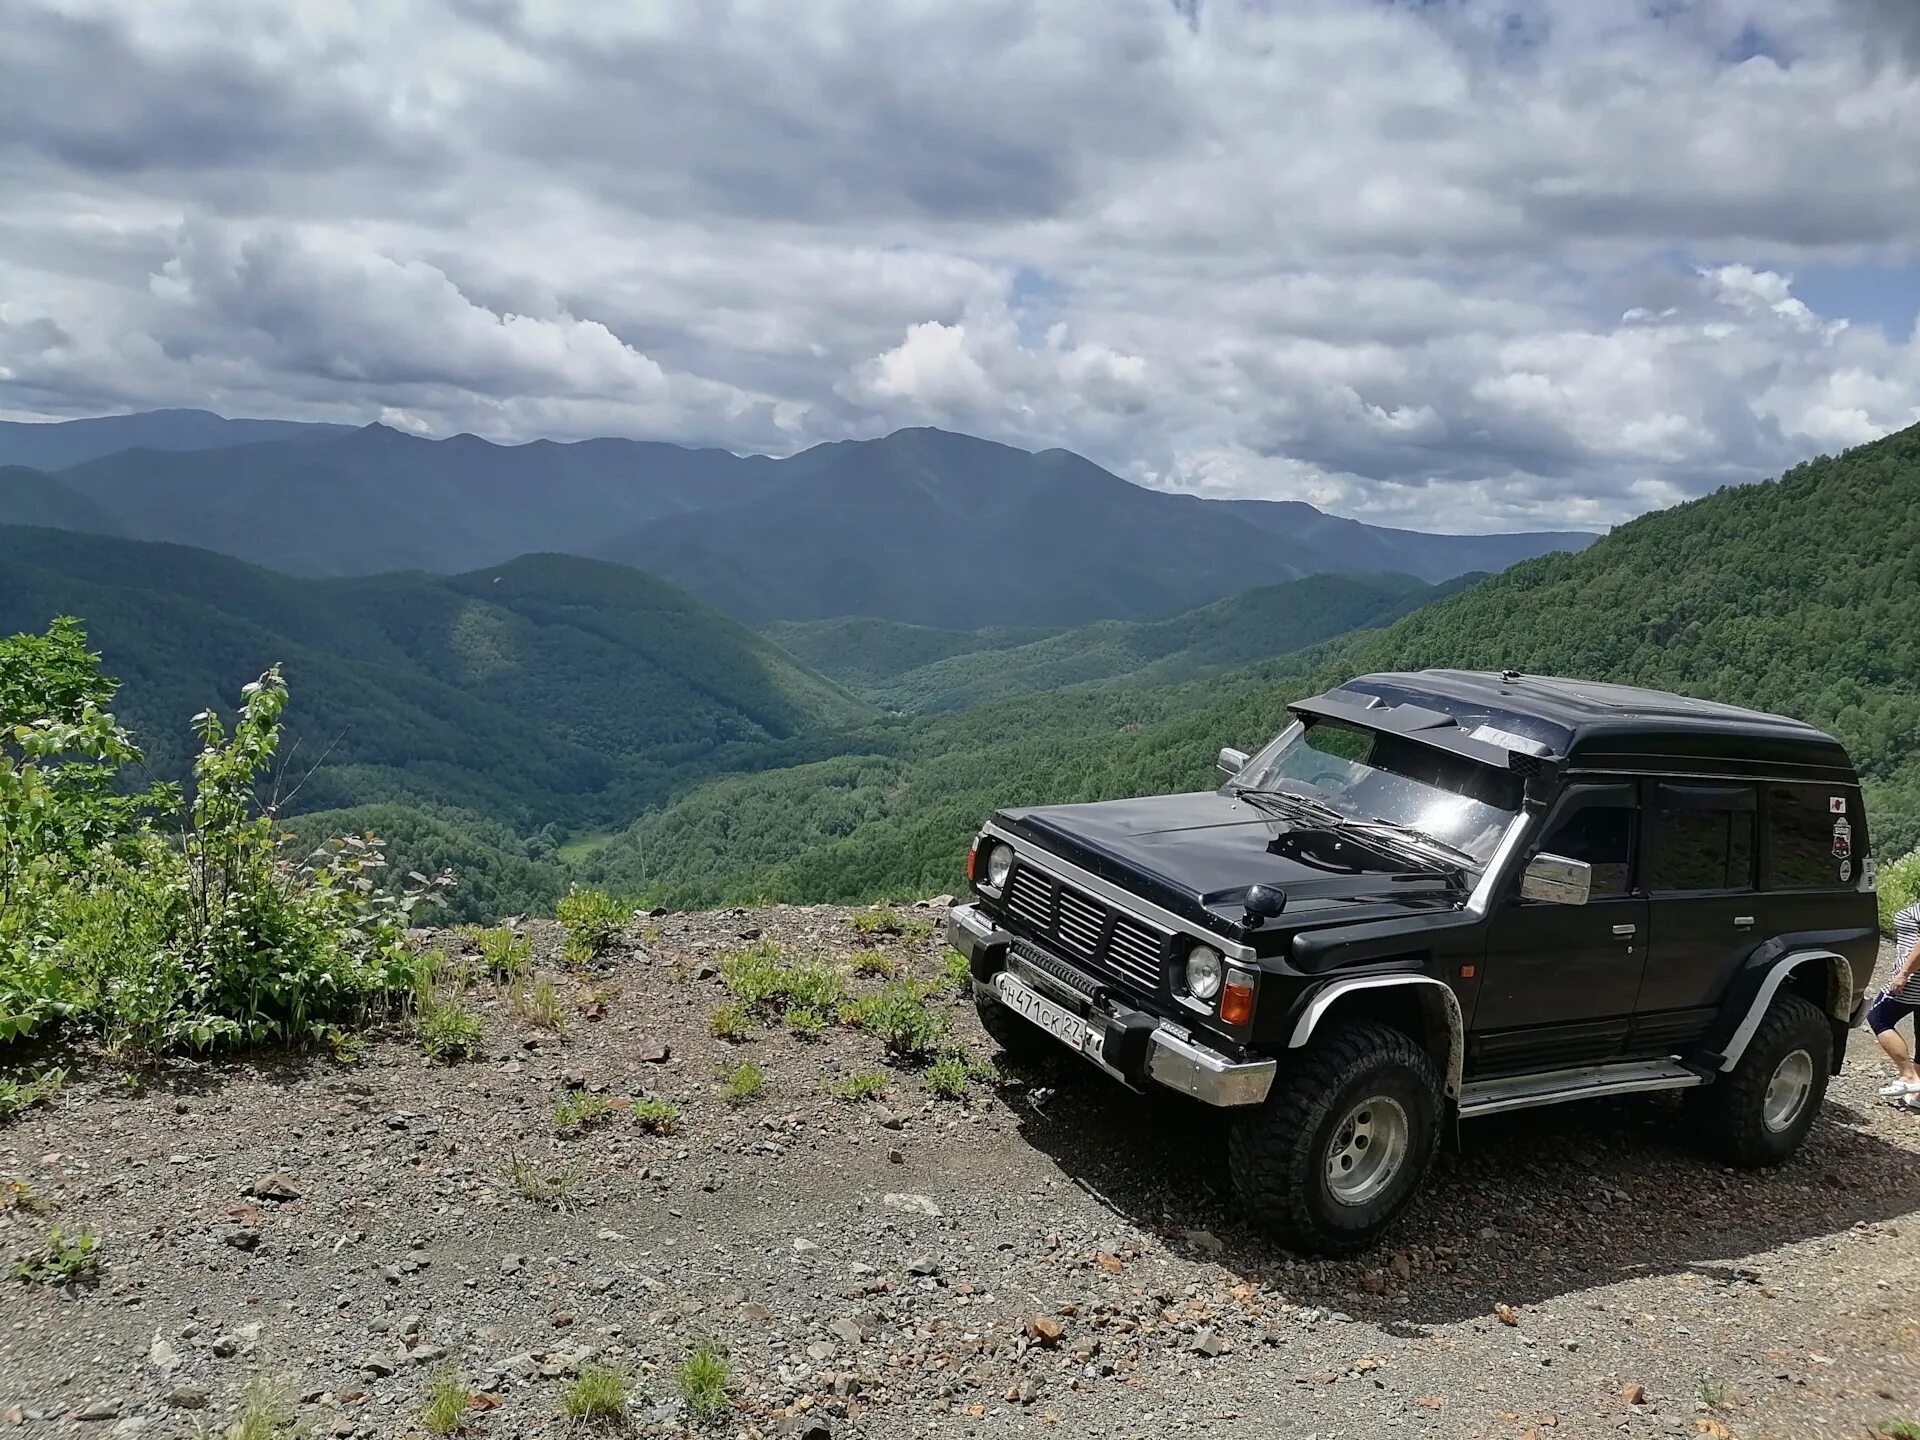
1886, 1012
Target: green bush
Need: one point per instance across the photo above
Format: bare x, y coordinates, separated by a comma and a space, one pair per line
163, 927
898, 1015
593, 920
1899, 887
504, 953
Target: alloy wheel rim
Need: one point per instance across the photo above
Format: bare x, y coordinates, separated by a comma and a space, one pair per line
1368, 1150
1787, 1091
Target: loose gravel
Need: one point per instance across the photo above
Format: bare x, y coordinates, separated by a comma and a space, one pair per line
1050, 1255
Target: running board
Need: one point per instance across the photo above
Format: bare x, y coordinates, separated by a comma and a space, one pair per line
1517, 1092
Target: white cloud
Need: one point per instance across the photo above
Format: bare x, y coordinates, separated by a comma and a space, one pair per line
1469, 265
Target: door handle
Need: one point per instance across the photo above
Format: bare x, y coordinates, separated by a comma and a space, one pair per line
1626, 929
1743, 922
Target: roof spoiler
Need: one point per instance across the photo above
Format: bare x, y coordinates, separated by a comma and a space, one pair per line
1484, 743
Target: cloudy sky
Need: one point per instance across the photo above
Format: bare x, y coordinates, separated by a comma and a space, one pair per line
1459, 264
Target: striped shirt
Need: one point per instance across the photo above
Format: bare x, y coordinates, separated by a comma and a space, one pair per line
1906, 934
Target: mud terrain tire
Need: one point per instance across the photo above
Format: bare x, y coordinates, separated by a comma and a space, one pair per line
1746, 1116
1343, 1141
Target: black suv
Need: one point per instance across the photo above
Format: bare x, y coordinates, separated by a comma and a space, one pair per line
1442, 895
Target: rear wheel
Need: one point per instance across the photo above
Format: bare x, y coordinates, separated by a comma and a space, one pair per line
1342, 1142
1759, 1112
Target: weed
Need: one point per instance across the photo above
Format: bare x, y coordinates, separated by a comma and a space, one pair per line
504, 953
703, 1379
19, 1095
1900, 1429
899, 1016
813, 986
743, 1083
956, 970
265, 1414
344, 1046
540, 1006
867, 1085
19, 1195
1713, 1393
730, 1022
951, 1076
756, 975
539, 1184
449, 1031
61, 1259
597, 1396
448, 1401
916, 928
579, 1110
875, 965
807, 1021
656, 1116
593, 920
879, 921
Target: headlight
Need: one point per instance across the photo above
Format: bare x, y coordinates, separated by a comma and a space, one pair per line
999, 866
1203, 973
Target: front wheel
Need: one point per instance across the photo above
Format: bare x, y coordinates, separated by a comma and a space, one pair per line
1758, 1112
1342, 1142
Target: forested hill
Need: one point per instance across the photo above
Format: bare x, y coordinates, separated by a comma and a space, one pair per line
1800, 595
545, 689
1255, 625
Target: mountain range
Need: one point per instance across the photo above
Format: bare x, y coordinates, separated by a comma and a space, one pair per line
921, 526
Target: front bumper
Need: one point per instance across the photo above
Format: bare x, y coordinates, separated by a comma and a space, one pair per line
1131, 1045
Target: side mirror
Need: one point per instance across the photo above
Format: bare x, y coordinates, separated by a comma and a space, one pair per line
1231, 762
1557, 880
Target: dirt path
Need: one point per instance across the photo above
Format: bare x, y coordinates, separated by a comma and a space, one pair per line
1053, 1257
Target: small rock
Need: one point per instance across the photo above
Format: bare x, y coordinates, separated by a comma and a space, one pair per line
376, 1365
821, 1350
894, 1157
886, 1120
226, 1346
847, 1333
162, 1353
1205, 1241
1208, 1343
98, 1410
755, 1313
802, 1245
1506, 1314
653, 1052
923, 1265
1634, 1394
274, 1187
1045, 1330
512, 1264
911, 1204
522, 1366
241, 1237
427, 1354
188, 1397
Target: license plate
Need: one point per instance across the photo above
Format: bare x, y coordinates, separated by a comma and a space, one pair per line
1021, 998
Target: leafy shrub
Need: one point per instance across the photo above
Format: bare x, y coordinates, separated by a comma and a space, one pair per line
757, 975
449, 1032
593, 920
703, 1378
875, 964
950, 1077
956, 971
656, 1116
579, 1110
745, 1082
898, 1015
19, 1095
878, 921
60, 1259
730, 1022
158, 941
916, 928
867, 1085
808, 1021
1899, 887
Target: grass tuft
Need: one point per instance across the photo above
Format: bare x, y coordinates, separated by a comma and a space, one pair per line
956, 971
730, 1022
540, 1006
505, 954
808, 1021
597, 1396
875, 965
744, 1083
898, 1015
265, 1414
878, 921
951, 1077
703, 1378
574, 1113
448, 1404
593, 920
916, 928
19, 1095
656, 1116
21, 1196
448, 1031
539, 1184
867, 1085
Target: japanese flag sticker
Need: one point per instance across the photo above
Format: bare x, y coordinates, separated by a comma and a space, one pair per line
1836, 804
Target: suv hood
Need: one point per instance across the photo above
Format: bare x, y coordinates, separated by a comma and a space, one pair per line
1198, 853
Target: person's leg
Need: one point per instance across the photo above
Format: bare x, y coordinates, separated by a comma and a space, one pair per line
1882, 1016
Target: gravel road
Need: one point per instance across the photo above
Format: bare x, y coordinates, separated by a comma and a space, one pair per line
1050, 1255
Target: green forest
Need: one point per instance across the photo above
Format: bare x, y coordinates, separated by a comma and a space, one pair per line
480, 722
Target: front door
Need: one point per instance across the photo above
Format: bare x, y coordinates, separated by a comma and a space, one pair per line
1561, 980
1699, 870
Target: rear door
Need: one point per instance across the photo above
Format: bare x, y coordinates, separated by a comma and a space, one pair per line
1699, 869
1561, 979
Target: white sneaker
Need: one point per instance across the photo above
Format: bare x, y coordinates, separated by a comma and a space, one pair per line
1894, 1089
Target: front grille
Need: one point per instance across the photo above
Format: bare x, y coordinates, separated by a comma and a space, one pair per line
1084, 929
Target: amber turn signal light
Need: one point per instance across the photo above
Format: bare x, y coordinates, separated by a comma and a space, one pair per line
973, 863
1236, 1004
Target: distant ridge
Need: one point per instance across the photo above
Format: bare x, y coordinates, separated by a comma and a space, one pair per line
920, 526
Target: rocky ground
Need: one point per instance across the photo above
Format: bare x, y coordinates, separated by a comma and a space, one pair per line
1045, 1255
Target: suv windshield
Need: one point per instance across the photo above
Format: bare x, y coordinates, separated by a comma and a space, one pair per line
1367, 775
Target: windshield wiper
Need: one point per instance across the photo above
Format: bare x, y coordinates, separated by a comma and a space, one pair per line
1385, 837
1433, 842
1285, 800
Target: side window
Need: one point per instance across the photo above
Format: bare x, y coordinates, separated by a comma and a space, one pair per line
1701, 838
1601, 835
1803, 833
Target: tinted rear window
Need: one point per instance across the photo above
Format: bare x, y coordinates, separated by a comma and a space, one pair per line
1801, 836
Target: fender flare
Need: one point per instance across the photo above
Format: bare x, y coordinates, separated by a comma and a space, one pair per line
1435, 996
1839, 971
